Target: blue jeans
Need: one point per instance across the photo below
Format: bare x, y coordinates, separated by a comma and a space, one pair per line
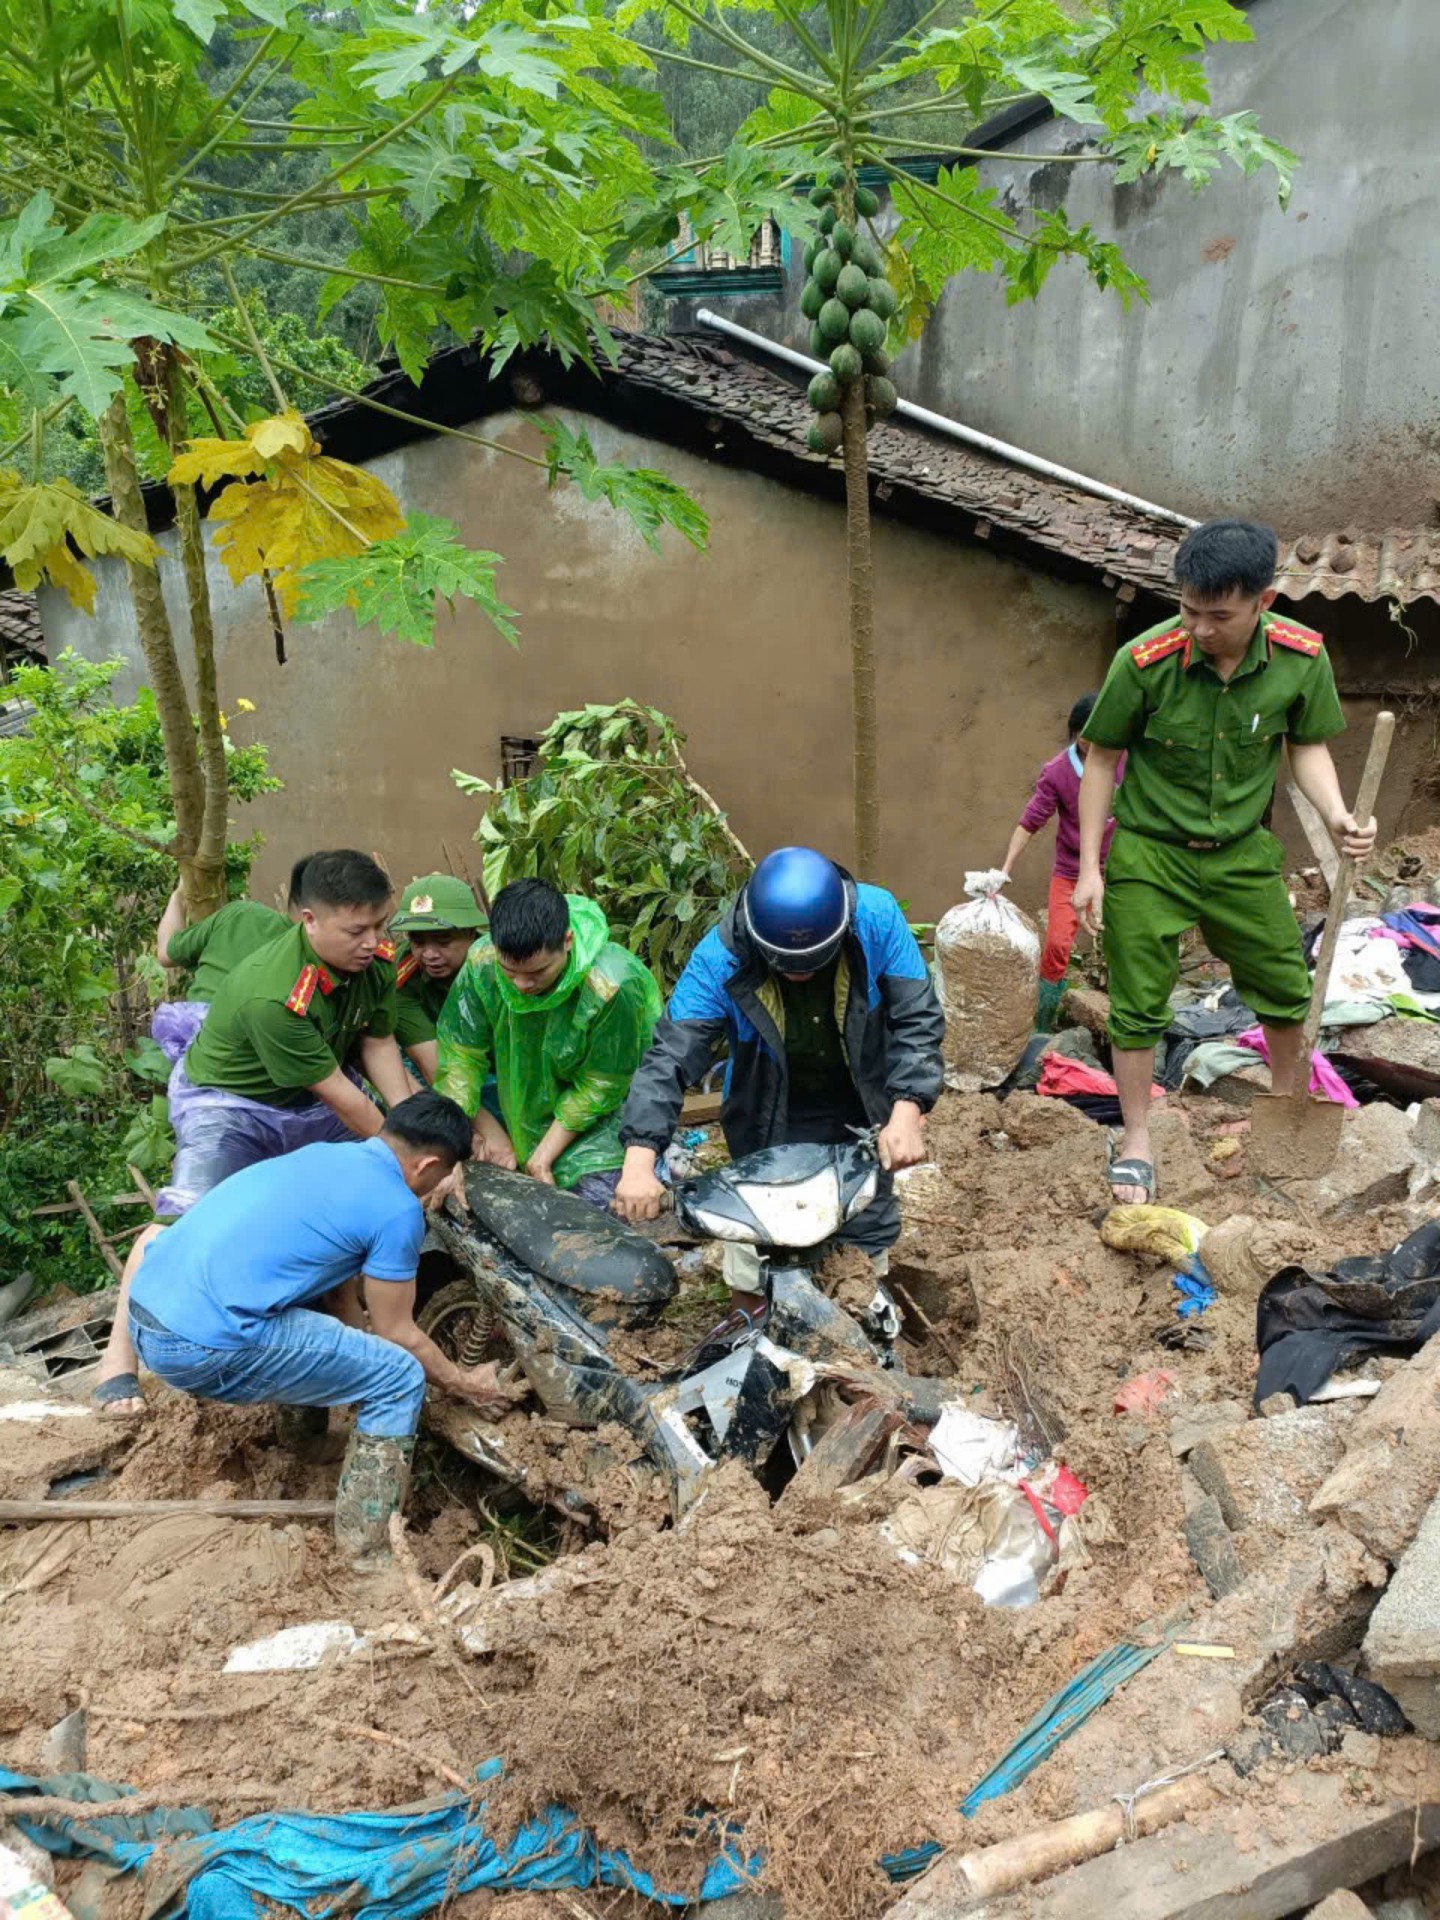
297, 1359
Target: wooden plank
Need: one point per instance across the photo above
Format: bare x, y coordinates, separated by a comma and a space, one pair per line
27, 1510
1327, 856
1307, 1842
701, 1109
64, 1316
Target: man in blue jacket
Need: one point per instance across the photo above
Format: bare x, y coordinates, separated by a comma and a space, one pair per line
832, 1021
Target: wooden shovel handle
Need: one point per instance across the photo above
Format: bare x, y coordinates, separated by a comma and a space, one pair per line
1370, 779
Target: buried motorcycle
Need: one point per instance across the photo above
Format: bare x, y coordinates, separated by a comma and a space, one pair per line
545, 1281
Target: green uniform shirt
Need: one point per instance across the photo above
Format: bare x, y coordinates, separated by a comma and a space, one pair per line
282, 1022
820, 1081
216, 944
1204, 752
418, 1001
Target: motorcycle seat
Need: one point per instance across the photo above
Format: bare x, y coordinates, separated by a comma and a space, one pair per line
565, 1240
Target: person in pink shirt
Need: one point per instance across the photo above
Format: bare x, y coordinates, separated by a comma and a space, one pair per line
1057, 792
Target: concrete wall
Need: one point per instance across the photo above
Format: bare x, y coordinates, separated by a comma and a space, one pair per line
1286, 365
745, 645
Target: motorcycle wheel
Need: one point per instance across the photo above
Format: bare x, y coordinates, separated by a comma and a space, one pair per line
462, 1326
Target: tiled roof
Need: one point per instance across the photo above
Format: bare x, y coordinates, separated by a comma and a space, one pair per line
987, 492
20, 623
690, 391
1402, 565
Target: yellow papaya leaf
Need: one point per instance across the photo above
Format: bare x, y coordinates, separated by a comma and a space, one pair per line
281, 433
205, 463
307, 509
42, 523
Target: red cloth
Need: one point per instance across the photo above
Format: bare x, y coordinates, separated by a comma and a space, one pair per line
1061, 927
1059, 1075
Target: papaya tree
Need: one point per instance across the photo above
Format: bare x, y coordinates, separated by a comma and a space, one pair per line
846, 95
487, 169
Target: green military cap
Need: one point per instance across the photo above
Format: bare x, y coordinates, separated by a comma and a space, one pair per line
437, 903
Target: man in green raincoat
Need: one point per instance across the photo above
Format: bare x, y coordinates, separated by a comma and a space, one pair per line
562, 1017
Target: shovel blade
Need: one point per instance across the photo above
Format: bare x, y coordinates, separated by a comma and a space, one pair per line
1294, 1136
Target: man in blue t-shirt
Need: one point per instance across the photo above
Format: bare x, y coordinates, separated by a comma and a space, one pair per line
222, 1304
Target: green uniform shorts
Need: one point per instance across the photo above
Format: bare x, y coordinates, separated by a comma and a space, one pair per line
1236, 895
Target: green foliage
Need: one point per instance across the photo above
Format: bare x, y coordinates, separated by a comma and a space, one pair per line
612, 813
396, 583
650, 500
61, 331
82, 792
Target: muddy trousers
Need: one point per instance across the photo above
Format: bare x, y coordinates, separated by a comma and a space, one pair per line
297, 1358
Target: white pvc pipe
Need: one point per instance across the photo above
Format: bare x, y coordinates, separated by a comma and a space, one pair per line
952, 429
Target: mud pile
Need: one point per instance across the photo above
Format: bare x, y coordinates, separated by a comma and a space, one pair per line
770, 1663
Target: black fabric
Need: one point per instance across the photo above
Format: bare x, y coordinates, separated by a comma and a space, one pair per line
1103, 1108
1308, 1324
1231, 1015
1422, 969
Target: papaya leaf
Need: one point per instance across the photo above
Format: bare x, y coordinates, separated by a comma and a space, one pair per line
396, 583
79, 1074
302, 506
57, 321
650, 500
41, 526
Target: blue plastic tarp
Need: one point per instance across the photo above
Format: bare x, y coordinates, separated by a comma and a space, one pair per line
388, 1866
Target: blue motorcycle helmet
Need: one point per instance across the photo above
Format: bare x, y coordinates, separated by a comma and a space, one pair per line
796, 909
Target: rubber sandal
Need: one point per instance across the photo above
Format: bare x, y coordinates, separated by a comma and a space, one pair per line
120, 1386
1132, 1173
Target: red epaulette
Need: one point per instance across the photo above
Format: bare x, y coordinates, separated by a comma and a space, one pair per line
385, 950
407, 969
1288, 633
303, 991
1160, 646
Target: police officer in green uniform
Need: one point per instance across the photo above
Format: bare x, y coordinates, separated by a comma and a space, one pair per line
1202, 707
208, 951
440, 921
266, 1072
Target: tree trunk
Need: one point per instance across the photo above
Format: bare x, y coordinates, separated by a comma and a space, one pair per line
860, 581
157, 642
205, 889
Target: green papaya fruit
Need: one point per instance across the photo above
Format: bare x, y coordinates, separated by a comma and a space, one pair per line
826, 433
827, 268
823, 393
812, 298
882, 298
821, 196
834, 321
866, 255
819, 345
867, 330
828, 219
852, 286
875, 363
845, 363
842, 239
880, 394
867, 202
812, 254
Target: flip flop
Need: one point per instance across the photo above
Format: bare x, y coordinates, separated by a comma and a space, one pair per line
120, 1386
1132, 1173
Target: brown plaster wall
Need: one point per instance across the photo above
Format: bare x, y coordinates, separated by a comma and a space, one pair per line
744, 644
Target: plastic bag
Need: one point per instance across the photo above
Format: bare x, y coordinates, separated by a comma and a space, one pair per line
1172, 1236
987, 954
